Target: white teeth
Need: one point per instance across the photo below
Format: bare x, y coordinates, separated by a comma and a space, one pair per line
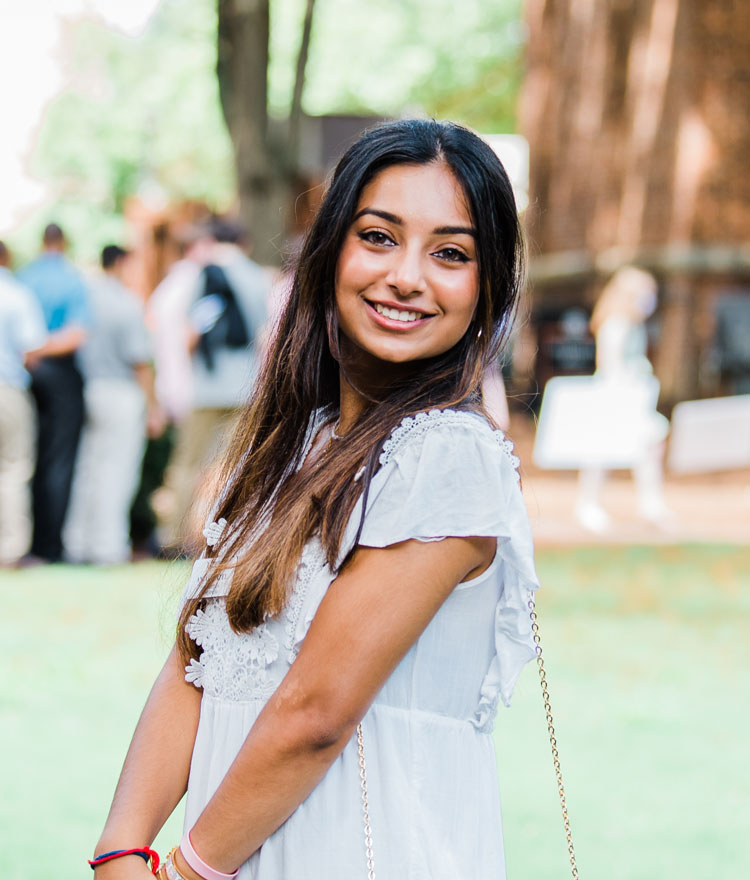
395, 314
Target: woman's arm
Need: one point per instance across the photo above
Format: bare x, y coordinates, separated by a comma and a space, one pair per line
154, 776
370, 617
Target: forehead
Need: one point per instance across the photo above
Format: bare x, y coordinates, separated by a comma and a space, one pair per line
426, 192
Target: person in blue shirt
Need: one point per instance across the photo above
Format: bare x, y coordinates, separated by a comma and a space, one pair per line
57, 387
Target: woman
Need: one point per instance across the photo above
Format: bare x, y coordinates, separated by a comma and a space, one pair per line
618, 323
369, 561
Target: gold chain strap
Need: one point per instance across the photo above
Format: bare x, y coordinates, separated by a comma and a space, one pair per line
365, 805
552, 737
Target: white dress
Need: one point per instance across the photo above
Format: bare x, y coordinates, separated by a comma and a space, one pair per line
431, 772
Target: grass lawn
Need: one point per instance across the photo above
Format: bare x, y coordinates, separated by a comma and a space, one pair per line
647, 654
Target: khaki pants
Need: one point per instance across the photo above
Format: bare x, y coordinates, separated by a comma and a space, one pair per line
184, 501
107, 473
17, 425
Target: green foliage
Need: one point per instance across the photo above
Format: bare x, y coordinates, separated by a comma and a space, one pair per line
141, 117
435, 57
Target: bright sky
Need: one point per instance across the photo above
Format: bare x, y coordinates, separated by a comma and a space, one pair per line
32, 74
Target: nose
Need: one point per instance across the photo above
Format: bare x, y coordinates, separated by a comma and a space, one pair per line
406, 273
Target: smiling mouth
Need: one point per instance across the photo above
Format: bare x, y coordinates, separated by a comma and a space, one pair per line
404, 316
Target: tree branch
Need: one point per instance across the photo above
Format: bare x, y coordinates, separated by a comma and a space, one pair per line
295, 111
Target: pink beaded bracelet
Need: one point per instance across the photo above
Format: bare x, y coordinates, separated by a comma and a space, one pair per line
198, 865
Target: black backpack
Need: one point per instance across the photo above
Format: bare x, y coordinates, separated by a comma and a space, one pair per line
230, 330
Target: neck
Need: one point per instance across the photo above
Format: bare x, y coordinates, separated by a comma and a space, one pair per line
373, 377
351, 405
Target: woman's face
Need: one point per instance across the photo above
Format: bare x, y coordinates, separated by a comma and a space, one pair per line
407, 280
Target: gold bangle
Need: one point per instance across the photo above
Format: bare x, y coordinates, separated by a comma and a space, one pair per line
169, 867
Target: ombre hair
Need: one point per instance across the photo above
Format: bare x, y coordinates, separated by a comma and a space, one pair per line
272, 504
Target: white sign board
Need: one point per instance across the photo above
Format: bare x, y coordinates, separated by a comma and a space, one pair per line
710, 435
513, 152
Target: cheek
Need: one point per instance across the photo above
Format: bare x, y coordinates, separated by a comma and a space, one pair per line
358, 268
464, 297
348, 282
351, 271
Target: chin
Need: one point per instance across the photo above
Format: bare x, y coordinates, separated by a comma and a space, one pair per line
397, 356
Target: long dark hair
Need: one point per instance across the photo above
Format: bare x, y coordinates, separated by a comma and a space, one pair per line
273, 505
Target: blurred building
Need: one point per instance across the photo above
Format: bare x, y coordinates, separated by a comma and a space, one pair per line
636, 112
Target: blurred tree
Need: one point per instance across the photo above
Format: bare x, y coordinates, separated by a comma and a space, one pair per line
142, 115
464, 66
139, 117
423, 56
265, 160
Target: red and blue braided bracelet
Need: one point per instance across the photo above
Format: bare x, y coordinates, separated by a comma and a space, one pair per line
149, 856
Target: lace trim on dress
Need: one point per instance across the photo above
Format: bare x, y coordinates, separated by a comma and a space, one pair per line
213, 531
233, 666
421, 423
311, 563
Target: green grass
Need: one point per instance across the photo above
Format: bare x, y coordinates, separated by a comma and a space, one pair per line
82, 648
647, 654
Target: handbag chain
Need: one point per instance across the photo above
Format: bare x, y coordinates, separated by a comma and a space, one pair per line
365, 804
552, 736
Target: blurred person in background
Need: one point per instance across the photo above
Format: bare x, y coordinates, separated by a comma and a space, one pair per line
227, 317
618, 323
120, 407
22, 331
167, 319
57, 386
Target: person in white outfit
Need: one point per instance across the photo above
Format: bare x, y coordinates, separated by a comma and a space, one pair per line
363, 601
227, 316
618, 323
22, 331
167, 316
116, 362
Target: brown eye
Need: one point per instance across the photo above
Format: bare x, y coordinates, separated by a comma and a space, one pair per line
451, 255
377, 237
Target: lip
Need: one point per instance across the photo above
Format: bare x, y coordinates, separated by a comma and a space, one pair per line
392, 323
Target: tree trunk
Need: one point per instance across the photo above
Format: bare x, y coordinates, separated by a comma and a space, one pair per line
242, 65
295, 111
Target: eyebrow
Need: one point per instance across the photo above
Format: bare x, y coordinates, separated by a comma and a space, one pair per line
440, 230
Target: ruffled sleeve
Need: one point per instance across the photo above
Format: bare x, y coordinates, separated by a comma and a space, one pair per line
448, 474
444, 474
